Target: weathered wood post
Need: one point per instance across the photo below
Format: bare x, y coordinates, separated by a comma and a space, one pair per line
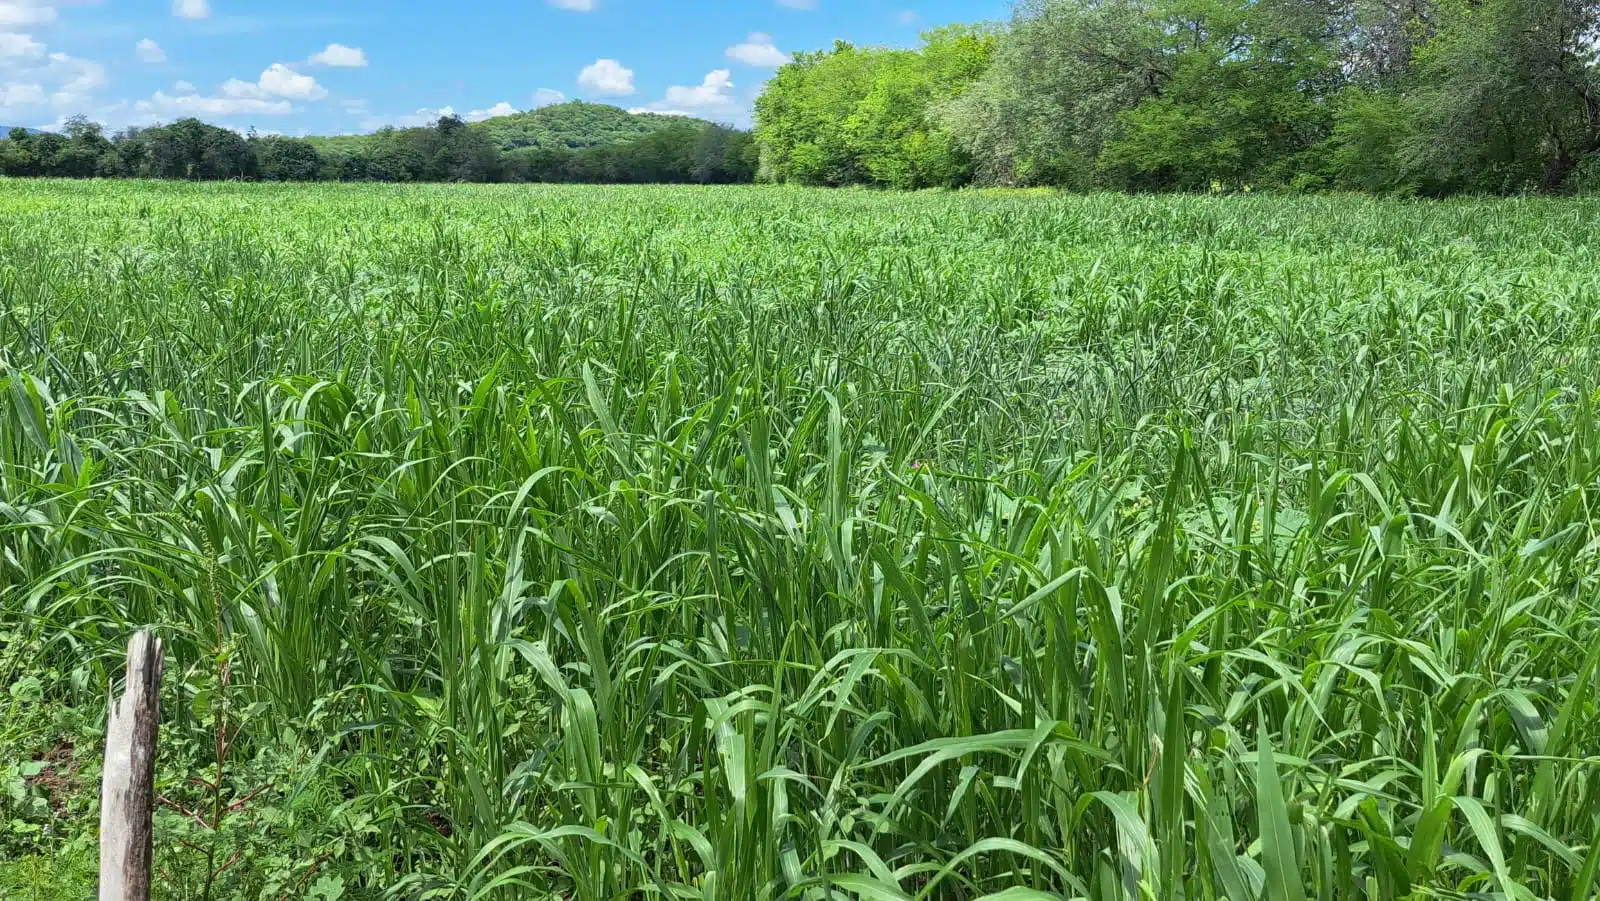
127, 794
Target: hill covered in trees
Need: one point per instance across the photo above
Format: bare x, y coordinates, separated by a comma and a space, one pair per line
576, 142
1422, 96
572, 126
575, 126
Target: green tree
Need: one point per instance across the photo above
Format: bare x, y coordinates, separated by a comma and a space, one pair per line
865, 116
1383, 36
538, 164
191, 149
287, 159
79, 156
1371, 132
17, 158
456, 152
133, 153
723, 156
1155, 93
1058, 88
1508, 93
224, 154
800, 118
1246, 101
46, 149
892, 129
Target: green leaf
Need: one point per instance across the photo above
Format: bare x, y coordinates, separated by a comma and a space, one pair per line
328, 888
1277, 841
1488, 836
1427, 841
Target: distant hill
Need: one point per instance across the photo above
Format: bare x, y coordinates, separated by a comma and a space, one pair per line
572, 125
7, 129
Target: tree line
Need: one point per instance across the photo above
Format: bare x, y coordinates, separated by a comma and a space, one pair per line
450, 150
1393, 96
1429, 97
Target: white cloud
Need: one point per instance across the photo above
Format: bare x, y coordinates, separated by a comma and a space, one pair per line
183, 87
191, 9
758, 50
20, 46
34, 77
339, 56
499, 109
22, 12
234, 87
78, 77
607, 76
908, 17
162, 103
713, 98
715, 91
798, 4
273, 90
417, 119
548, 97
281, 81
21, 95
149, 51
581, 6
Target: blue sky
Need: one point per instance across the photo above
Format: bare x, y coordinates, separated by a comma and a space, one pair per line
307, 67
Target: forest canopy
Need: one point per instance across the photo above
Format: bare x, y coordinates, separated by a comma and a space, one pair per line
1394, 96
575, 142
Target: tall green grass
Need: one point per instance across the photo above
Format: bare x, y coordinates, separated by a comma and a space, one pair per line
756, 543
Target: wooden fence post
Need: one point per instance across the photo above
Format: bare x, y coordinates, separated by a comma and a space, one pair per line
127, 794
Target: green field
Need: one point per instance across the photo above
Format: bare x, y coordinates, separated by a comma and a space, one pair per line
744, 543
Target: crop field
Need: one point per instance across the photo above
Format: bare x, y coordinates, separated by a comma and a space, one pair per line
761, 543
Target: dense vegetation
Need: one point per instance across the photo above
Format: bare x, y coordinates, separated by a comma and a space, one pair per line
855, 115
573, 126
1419, 96
574, 142
743, 543
570, 126
1404, 97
